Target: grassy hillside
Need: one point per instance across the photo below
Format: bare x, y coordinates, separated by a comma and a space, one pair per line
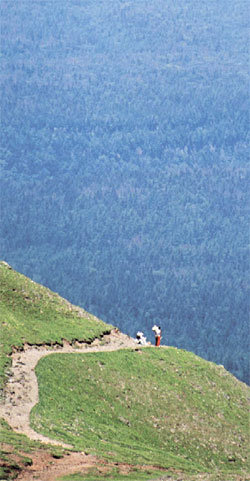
31, 313
165, 407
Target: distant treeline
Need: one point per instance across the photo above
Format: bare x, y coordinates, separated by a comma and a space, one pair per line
125, 163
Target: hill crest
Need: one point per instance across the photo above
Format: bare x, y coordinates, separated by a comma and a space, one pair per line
173, 392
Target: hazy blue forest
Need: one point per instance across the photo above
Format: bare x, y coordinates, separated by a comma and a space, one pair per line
124, 163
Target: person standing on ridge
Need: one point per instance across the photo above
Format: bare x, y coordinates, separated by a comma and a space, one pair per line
157, 331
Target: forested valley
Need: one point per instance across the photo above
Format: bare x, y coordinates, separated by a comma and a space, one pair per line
125, 165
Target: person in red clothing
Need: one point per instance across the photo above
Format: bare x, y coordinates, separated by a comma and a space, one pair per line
157, 331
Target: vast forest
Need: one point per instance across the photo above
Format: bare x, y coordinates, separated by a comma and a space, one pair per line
124, 163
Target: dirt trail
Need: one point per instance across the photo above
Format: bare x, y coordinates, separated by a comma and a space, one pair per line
21, 392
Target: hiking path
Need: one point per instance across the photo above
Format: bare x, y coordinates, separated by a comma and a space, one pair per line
21, 391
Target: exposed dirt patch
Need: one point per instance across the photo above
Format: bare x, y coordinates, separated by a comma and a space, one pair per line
46, 468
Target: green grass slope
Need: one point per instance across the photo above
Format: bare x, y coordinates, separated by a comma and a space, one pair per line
31, 313
163, 407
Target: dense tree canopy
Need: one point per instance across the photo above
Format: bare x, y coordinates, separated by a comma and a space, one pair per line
125, 163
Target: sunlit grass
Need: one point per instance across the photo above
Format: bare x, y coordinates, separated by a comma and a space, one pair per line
113, 474
163, 407
31, 313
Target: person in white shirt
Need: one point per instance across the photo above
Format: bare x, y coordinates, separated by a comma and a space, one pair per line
157, 331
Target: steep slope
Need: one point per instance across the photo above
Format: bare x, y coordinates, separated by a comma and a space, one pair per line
162, 409
31, 313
